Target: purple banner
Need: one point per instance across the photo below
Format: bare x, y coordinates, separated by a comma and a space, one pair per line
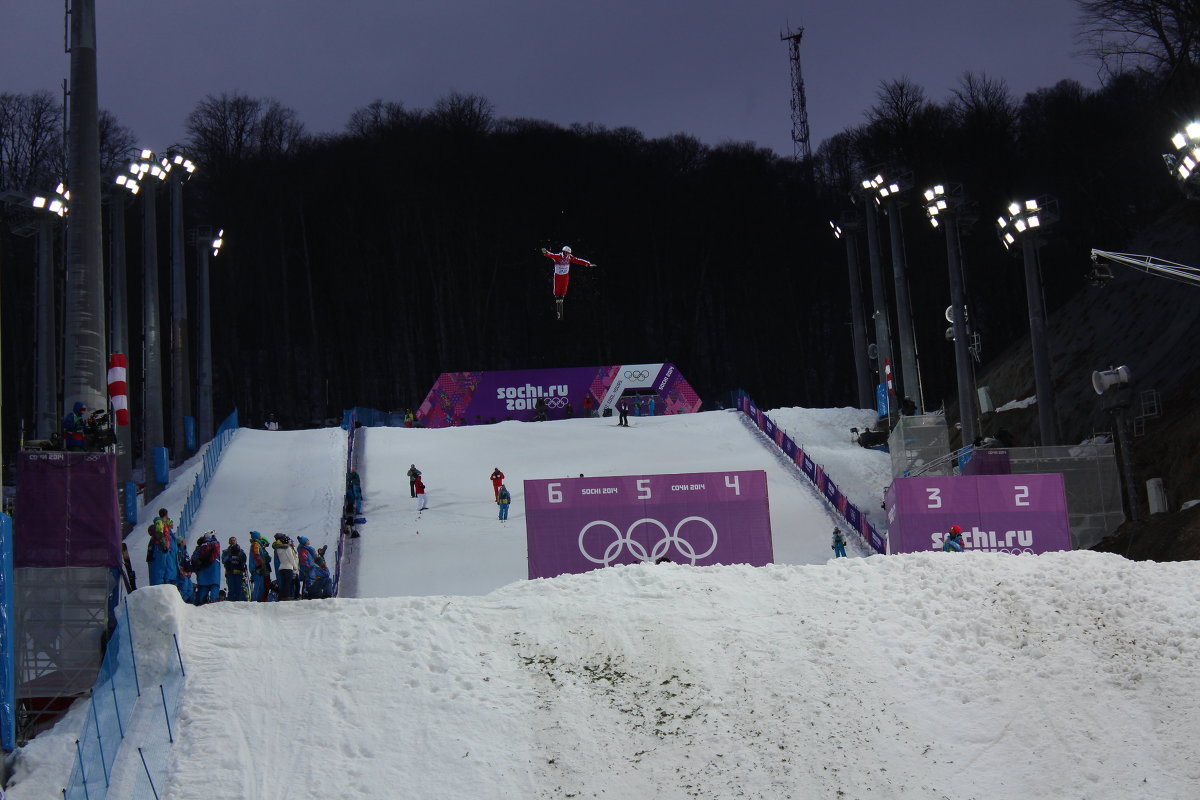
67, 513
476, 398
575, 525
997, 513
987, 462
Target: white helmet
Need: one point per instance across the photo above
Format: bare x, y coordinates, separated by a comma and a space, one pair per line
566, 248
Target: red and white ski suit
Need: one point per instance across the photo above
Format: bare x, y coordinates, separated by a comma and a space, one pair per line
562, 270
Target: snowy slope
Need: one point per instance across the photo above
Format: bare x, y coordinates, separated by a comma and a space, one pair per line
458, 546
921, 676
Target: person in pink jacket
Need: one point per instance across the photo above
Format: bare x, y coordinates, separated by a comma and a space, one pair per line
562, 273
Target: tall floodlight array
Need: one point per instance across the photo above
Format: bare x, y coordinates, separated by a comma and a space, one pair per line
46, 367
85, 365
179, 171
887, 195
1184, 162
118, 324
152, 413
206, 245
942, 205
1023, 222
879, 311
845, 232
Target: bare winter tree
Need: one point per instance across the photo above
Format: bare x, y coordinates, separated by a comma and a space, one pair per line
31, 141
898, 105
1162, 36
116, 144
465, 113
377, 116
980, 99
224, 131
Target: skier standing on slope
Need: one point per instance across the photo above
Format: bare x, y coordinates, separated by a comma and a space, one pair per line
562, 274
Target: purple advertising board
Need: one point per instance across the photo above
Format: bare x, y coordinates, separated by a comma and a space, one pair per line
987, 462
997, 513
576, 525
475, 398
67, 513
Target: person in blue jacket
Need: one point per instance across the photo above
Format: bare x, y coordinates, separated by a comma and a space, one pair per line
235, 562
954, 541
308, 560
206, 561
839, 543
183, 571
504, 500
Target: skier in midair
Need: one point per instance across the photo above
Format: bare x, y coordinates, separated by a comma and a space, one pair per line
562, 274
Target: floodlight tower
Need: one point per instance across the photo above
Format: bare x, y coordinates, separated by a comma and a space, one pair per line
1024, 221
883, 331
846, 232
206, 243
179, 171
46, 349
942, 205
1184, 163
801, 145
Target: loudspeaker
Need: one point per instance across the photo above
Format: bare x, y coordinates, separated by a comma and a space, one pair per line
1102, 381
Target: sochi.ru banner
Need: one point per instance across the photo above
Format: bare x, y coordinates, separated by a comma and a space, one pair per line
997, 513
576, 525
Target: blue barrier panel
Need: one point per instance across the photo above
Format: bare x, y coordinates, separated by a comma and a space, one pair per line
189, 434
131, 503
162, 466
7, 651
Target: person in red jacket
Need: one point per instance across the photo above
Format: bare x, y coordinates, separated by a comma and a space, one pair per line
562, 273
422, 500
497, 481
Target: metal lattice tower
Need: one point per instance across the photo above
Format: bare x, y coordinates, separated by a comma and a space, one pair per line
802, 147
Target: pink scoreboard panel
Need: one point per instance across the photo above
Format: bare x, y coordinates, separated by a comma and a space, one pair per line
997, 513
576, 525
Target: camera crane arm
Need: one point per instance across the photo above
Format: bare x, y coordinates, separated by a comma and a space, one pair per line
1148, 264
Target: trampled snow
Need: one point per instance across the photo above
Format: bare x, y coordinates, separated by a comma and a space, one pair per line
931, 675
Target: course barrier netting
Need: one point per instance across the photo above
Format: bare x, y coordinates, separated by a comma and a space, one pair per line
815, 473
124, 701
348, 506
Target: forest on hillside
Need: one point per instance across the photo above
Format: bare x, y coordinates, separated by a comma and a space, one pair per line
360, 264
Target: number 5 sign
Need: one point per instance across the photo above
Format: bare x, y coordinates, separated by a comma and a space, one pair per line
579, 524
997, 513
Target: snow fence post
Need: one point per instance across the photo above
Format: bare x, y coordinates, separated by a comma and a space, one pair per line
170, 736
129, 626
143, 755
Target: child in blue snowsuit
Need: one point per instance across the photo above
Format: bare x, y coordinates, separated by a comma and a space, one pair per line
839, 543
503, 499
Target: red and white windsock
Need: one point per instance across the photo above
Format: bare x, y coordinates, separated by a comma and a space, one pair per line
887, 372
118, 390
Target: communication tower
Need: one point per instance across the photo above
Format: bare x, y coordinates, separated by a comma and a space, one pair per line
802, 147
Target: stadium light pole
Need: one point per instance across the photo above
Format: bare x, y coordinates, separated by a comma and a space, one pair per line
46, 348
879, 312
887, 195
846, 232
1024, 221
136, 181
206, 244
118, 337
942, 205
179, 171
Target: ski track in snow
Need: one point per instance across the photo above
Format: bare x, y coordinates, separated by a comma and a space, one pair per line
930, 675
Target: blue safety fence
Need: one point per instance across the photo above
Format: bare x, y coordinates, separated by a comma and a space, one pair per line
212, 457
8, 665
132, 709
372, 418
349, 502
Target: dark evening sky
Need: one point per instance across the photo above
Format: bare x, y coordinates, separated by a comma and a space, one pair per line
711, 68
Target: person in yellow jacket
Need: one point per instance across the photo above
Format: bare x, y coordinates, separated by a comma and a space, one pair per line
503, 499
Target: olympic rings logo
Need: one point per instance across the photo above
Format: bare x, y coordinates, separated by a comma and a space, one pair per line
638, 550
555, 402
637, 375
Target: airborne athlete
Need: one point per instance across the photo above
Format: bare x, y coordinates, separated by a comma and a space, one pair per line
562, 274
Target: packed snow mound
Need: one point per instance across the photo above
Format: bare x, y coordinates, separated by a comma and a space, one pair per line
918, 676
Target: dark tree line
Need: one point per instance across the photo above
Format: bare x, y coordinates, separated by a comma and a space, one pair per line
359, 265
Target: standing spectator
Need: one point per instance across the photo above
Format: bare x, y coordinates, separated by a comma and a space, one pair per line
588, 405
160, 552
539, 410
409, 419
839, 543
235, 562
206, 561
651, 412
954, 542
642, 406
287, 562
308, 561
422, 499
272, 424
354, 489
322, 582
503, 499
413, 475
260, 567
497, 481
568, 411
623, 411
73, 425
183, 572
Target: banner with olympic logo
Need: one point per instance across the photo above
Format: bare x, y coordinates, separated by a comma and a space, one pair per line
575, 525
